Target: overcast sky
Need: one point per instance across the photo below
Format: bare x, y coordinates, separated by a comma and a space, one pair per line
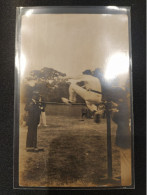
71, 43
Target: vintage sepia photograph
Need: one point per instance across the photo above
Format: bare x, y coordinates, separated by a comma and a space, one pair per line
75, 111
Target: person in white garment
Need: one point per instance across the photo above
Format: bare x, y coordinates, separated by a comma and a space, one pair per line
42, 114
88, 88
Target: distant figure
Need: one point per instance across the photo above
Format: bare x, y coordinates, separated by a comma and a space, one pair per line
42, 105
85, 113
33, 110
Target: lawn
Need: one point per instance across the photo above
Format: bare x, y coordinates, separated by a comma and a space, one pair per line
75, 151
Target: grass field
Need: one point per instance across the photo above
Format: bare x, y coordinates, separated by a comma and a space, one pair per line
75, 151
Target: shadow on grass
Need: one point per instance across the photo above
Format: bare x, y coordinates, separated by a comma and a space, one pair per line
76, 158
70, 160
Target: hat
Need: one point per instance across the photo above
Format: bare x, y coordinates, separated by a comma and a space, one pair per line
87, 72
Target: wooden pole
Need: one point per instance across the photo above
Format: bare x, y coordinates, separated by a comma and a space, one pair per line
109, 146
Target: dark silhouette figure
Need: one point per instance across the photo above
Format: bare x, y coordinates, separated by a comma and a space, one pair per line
33, 110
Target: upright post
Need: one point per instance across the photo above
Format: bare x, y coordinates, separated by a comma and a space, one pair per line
109, 146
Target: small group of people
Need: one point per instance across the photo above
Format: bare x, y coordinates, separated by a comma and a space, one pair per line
35, 109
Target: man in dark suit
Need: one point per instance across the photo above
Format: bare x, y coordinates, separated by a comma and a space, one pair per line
33, 110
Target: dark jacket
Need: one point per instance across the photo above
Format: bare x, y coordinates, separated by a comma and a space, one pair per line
33, 113
121, 118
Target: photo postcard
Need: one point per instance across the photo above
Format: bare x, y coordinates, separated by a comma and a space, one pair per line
74, 98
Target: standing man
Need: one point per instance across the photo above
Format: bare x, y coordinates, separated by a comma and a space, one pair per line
33, 110
42, 114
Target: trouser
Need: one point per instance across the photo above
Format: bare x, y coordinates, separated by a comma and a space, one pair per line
91, 98
42, 119
125, 163
32, 136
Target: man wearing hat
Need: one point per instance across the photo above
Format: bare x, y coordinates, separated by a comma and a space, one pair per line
33, 110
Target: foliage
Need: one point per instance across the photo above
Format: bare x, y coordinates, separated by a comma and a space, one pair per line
49, 83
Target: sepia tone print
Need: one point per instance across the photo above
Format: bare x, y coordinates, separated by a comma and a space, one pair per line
74, 127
